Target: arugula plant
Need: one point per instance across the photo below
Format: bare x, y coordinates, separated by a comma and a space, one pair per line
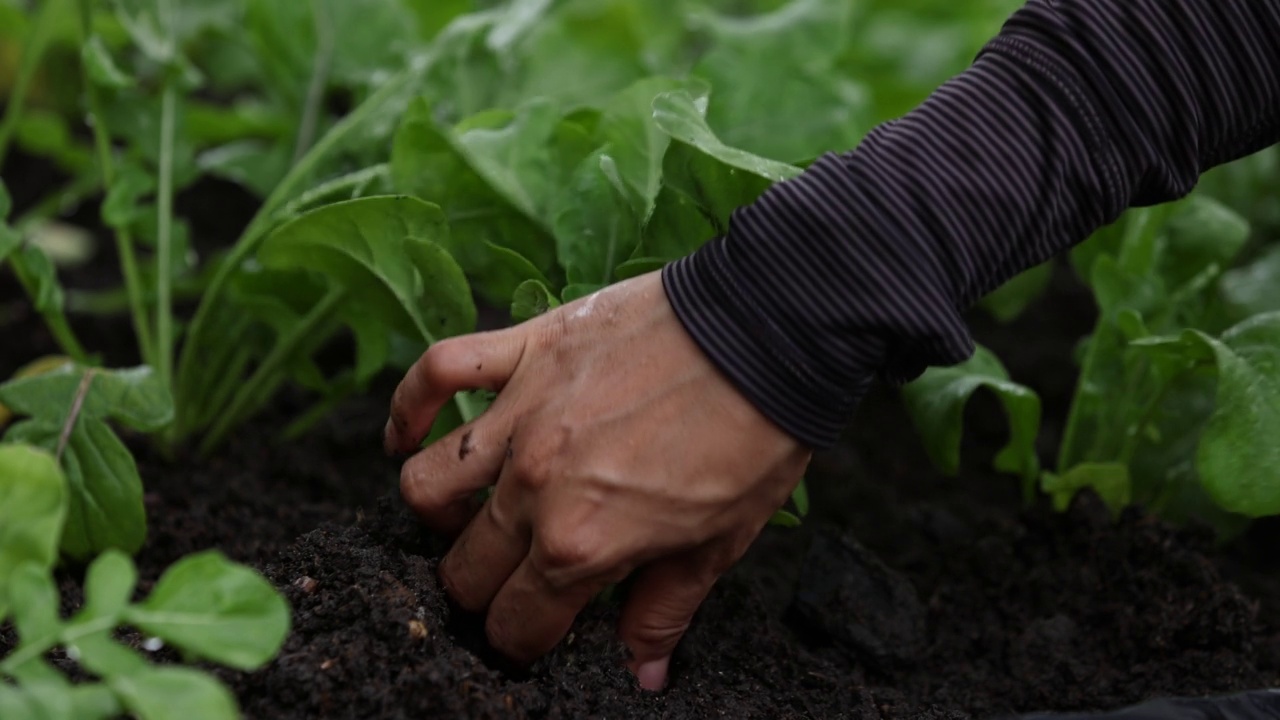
1174, 405
204, 605
259, 318
468, 168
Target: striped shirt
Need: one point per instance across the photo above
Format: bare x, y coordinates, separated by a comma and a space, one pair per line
861, 267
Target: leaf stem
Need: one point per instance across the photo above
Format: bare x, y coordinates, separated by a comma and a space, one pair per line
164, 240
54, 318
73, 415
124, 240
320, 10
264, 219
164, 206
254, 390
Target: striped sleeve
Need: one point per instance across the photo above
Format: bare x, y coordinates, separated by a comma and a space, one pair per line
861, 267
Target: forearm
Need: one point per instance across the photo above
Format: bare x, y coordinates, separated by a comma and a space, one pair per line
1076, 112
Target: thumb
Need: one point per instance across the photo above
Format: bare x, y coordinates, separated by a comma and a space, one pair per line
659, 608
468, 362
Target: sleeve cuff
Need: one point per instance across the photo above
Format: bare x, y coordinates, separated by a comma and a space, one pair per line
759, 361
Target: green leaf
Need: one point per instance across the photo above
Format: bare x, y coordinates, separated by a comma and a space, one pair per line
90, 641
33, 506
800, 496
637, 267
577, 292
447, 306
506, 266
6, 202
386, 254
16, 703
215, 609
524, 157
683, 116
936, 402
428, 162
102, 69
1008, 301
108, 586
1237, 452
1202, 232
1109, 480
105, 508
123, 204
594, 227
34, 600
93, 702
532, 299
37, 701
1253, 288
784, 518
636, 144
175, 693
43, 275
134, 397
798, 104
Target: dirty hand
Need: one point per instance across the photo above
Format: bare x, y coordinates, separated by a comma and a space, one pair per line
615, 446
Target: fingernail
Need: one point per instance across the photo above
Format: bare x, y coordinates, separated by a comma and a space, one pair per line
653, 674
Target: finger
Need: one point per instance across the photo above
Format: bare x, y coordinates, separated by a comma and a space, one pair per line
486, 554
440, 482
530, 616
661, 604
470, 362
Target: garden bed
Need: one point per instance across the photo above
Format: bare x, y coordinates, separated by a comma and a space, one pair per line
958, 602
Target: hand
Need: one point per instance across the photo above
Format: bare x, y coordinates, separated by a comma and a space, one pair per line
616, 446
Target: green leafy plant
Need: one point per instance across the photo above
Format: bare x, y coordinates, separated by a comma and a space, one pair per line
1172, 407
206, 606
67, 411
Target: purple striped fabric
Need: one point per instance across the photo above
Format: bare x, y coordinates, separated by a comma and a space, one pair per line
861, 267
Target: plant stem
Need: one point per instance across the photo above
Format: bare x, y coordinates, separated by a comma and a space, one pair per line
54, 318
254, 390
264, 218
164, 240
124, 241
164, 209
73, 415
351, 182
319, 78
37, 39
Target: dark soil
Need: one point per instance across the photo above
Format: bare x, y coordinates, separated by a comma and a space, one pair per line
905, 595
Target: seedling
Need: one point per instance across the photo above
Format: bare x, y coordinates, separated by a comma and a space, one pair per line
204, 605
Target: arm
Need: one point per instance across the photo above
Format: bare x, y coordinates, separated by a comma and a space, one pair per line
618, 444
1078, 110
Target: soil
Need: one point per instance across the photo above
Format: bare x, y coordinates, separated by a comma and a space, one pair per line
904, 595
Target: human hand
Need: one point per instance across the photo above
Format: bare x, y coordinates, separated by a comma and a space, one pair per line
616, 446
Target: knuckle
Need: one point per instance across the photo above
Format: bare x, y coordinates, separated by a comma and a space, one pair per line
531, 477
568, 552
533, 466
436, 362
658, 631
